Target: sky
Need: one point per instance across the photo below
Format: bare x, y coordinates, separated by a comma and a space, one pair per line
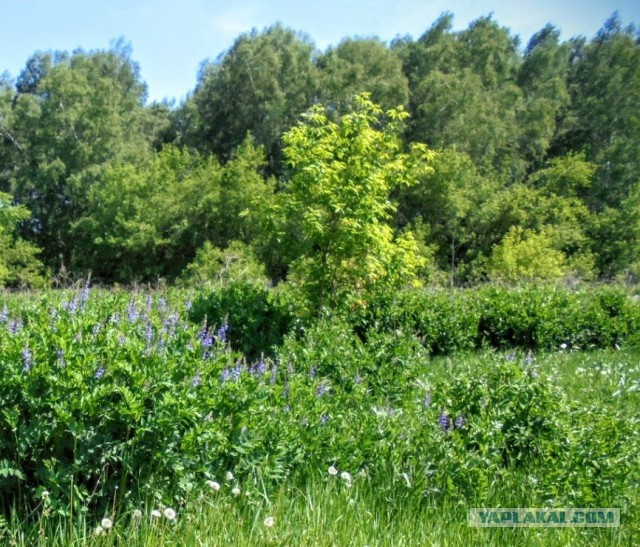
171, 38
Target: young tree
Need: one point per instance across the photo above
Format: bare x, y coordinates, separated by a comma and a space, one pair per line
339, 200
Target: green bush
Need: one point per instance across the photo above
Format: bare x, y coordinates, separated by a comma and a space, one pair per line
257, 317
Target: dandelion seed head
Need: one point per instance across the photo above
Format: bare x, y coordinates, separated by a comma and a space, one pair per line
269, 522
106, 523
169, 513
333, 471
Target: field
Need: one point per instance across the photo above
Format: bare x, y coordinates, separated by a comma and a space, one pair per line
176, 418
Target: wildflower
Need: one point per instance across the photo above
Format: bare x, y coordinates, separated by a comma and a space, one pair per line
98, 531
27, 359
269, 522
345, 476
333, 471
221, 333
4, 314
358, 379
225, 376
324, 419
445, 423
312, 372
563, 346
137, 514
213, 485
235, 373
321, 390
459, 422
122, 340
156, 514
99, 373
106, 523
528, 360
236, 491
427, 400
149, 334
132, 313
229, 476
196, 380
169, 513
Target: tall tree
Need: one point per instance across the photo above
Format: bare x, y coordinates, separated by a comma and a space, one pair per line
339, 200
260, 86
71, 116
604, 120
362, 65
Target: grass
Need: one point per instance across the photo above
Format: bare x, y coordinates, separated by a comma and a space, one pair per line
323, 510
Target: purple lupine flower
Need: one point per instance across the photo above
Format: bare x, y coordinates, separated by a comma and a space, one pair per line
149, 302
427, 400
188, 305
235, 372
115, 318
322, 390
528, 360
99, 372
259, 368
96, 329
122, 340
132, 313
15, 326
445, 422
274, 374
221, 333
84, 295
4, 314
285, 391
225, 376
358, 379
53, 313
27, 359
60, 356
323, 419
460, 421
162, 303
205, 337
148, 335
196, 380
312, 372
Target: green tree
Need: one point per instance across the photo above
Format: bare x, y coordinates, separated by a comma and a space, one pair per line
526, 255
19, 265
542, 77
339, 200
604, 119
72, 116
259, 86
361, 65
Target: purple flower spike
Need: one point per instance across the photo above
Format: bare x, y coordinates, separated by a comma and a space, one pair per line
27, 359
445, 422
99, 373
427, 400
460, 421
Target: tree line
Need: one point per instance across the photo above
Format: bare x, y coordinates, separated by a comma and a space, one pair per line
530, 159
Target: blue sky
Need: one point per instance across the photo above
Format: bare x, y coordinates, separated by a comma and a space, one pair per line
171, 38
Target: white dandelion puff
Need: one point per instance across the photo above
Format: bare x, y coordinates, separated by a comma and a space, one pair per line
169, 513
106, 523
269, 522
213, 485
333, 471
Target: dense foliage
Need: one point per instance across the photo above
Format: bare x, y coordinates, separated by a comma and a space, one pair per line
111, 400
535, 175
